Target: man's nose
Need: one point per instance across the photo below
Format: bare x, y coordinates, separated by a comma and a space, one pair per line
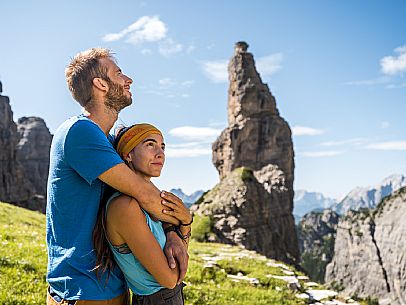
128, 80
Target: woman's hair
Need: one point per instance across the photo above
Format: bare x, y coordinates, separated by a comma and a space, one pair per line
126, 137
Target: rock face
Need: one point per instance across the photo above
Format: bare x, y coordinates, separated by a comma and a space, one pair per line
24, 159
252, 205
316, 234
370, 249
33, 151
14, 186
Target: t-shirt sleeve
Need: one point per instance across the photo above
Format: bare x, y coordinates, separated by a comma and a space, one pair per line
88, 151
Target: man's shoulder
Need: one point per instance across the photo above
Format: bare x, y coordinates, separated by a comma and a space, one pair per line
77, 126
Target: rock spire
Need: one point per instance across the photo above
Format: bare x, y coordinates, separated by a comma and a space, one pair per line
252, 205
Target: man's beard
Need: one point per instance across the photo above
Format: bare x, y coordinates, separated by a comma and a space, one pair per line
116, 98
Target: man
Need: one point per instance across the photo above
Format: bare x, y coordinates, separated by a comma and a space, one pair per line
82, 159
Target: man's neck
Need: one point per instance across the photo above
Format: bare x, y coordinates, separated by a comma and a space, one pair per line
102, 116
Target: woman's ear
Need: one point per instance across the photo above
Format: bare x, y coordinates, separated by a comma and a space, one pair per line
128, 159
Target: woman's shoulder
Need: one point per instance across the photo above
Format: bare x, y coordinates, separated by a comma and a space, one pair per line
123, 206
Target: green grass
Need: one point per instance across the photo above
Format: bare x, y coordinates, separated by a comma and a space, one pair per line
23, 268
22, 256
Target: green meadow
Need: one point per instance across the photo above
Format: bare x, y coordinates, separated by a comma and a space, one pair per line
23, 267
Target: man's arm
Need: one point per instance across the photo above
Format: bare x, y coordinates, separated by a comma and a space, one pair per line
123, 179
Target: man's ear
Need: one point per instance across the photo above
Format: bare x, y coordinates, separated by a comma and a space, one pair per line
100, 84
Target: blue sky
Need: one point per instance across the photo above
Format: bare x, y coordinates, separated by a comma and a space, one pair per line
336, 68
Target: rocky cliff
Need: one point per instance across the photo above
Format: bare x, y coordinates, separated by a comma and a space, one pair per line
33, 151
370, 250
316, 234
24, 159
252, 205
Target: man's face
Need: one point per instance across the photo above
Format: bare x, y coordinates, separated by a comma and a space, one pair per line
119, 96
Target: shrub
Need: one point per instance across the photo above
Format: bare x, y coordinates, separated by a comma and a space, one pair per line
202, 228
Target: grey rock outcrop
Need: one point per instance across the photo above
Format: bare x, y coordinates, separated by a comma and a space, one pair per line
252, 205
370, 250
24, 159
316, 234
14, 187
33, 151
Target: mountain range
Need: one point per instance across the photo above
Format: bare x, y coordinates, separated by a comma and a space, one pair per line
369, 197
188, 200
359, 197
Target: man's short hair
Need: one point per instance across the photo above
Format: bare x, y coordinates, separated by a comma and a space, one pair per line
81, 71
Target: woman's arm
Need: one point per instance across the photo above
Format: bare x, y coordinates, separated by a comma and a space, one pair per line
123, 179
126, 223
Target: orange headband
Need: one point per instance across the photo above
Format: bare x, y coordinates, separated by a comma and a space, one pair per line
133, 136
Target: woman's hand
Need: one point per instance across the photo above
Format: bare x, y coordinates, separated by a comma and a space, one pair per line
175, 207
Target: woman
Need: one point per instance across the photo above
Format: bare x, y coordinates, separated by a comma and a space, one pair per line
128, 236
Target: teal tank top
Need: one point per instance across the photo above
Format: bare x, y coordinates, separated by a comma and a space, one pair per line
139, 280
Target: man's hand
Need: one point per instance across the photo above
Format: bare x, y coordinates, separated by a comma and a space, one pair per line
175, 252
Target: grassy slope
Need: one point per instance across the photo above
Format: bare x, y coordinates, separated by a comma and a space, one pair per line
23, 267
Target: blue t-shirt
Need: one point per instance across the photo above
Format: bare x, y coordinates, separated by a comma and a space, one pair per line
140, 281
80, 152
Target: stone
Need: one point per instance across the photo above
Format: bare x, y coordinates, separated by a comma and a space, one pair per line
370, 247
14, 186
316, 234
24, 159
33, 151
252, 205
319, 295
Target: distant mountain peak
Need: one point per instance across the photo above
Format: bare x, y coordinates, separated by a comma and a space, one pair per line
370, 196
187, 199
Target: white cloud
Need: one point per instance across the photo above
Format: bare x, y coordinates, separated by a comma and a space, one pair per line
270, 64
190, 48
396, 86
189, 149
145, 29
392, 65
166, 82
355, 141
169, 47
170, 88
195, 133
385, 125
369, 82
390, 145
146, 51
187, 152
187, 83
306, 131
318, 154
216, 71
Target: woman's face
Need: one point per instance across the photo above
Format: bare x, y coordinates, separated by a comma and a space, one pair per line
148, 157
